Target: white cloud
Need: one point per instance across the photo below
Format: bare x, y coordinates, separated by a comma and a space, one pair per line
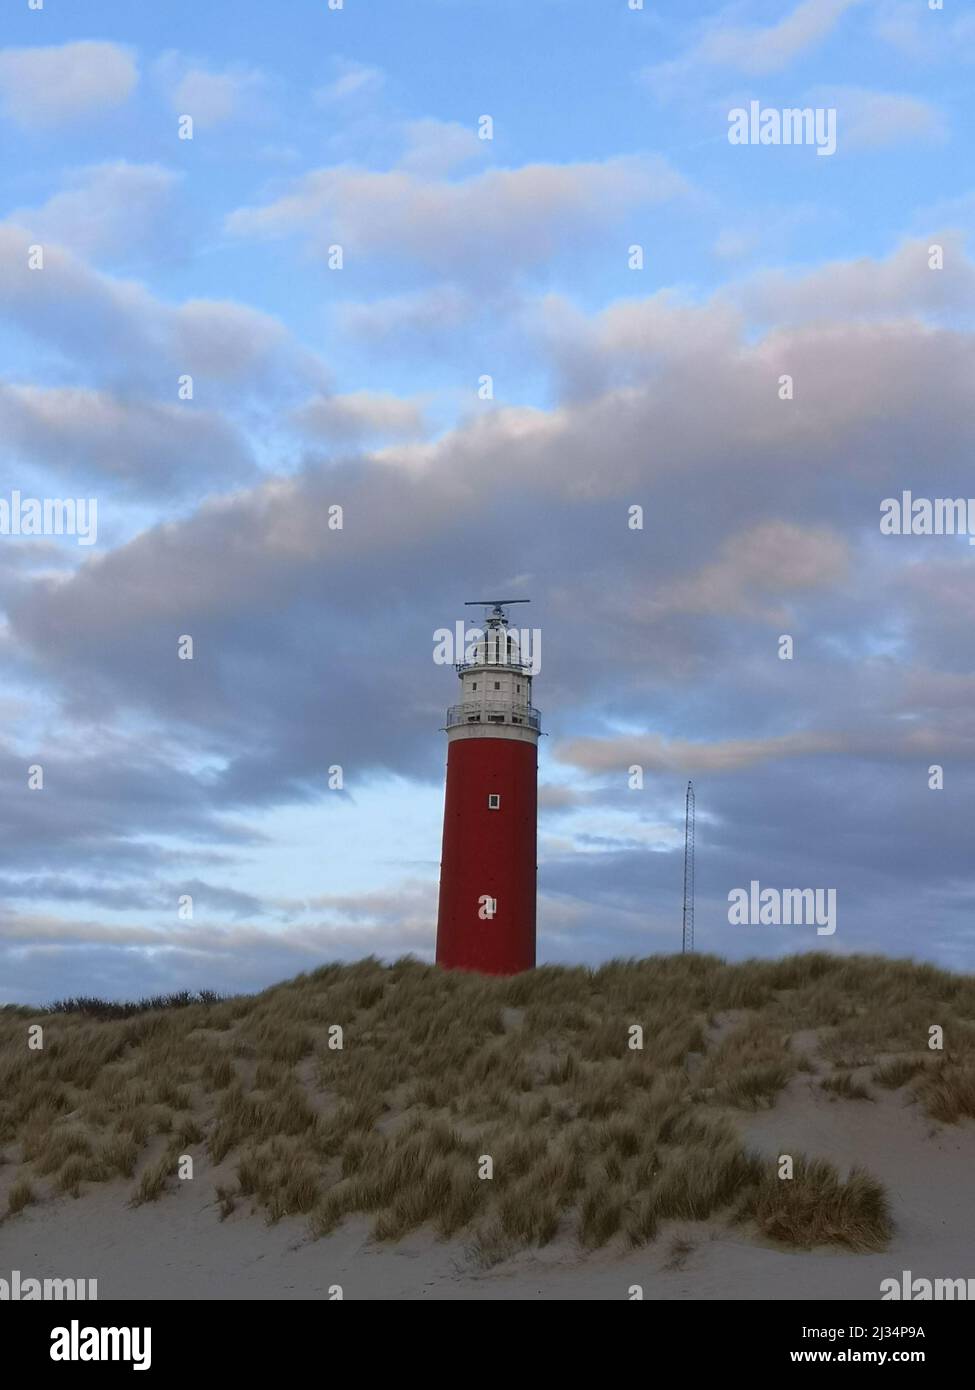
754, 50
761, 50
211, 98
48, 87
925, 35
488, 225
656, 754
115, 207
436, 147
868, 288
351, 79
871, 120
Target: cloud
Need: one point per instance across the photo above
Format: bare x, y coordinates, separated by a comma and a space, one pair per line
265, 561
144, 447
487, 225
361, 415
553, 798
96, 318
658, 755
655, 754
754, 50
435, 148
131, 896
773, 558
45, 88
129, 960
118, 208
211, 98
869, 288
608, 831
351, 80
431, 317
875, 120
926, 36
650, 357
88, 827
225, 340
750, 503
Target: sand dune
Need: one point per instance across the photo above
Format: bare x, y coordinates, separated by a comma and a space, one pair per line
178, 1248
615, 1168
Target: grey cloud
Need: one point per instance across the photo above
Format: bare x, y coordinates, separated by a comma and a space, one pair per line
431, 319
143, 447
278, 603
362, 415
98, 320
106, 809
43, 956
139, 894
417, 509
773, 557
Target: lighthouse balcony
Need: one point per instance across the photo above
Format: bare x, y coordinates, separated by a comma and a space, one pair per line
523, 668
526, 715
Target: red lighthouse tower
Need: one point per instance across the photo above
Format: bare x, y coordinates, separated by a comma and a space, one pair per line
487, 873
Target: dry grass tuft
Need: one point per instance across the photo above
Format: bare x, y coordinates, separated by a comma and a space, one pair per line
947, 1091
842, 1084
154, 1178
20, 1195
817, 1207
893, 1075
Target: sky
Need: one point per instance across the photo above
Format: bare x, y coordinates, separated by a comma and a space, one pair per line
485, 275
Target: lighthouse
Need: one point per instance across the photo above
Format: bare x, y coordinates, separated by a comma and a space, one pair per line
486, 920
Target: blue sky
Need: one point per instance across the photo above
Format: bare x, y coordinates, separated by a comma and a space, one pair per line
312, 386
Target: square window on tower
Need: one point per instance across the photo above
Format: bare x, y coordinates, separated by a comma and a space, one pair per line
494, 801
497, 685
474, 686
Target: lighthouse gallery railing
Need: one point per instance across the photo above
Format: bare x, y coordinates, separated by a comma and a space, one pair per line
528, 715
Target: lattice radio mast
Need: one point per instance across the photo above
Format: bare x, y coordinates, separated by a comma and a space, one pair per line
688, 936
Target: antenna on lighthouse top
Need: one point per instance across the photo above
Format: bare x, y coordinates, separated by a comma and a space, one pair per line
498, 605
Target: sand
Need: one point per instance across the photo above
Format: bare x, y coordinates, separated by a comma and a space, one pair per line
177, 1247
